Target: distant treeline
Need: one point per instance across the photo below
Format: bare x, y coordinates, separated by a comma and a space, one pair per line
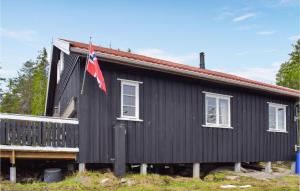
26, 93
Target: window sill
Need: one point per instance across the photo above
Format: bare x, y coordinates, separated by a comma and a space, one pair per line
216, 126
129, 119
276, 131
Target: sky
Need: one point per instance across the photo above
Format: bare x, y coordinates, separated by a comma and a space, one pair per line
249, 38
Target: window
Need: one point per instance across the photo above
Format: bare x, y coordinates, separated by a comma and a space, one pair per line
217, 110
277, 117
129, 100
60, 66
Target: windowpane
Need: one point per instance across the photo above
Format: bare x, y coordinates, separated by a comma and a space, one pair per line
223, 111
58, 72
129, 107
128, 89
211, 110
280, 113
129, 111
61, 65
129, 100
272, 117
211, 101
211, 119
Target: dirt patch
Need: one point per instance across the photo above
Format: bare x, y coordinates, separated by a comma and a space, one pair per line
261, 175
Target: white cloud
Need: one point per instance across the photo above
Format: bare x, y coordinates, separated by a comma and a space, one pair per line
224, 15
294, 37
266, 33
21, 35
264, 74
225, 12
161, 54
243, 17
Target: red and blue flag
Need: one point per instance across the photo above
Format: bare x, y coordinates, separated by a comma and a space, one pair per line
94, 69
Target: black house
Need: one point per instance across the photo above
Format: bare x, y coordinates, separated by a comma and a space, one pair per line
160, 112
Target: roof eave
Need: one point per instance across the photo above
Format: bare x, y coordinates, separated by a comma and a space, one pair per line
63, 46
168, 69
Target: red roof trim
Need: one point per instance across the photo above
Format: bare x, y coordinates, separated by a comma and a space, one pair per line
176, 65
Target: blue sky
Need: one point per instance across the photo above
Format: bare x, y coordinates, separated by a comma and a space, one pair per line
243, 37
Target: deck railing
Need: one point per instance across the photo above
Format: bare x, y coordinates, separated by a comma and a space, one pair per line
25, 130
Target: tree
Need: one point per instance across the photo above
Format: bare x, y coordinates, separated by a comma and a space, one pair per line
26, 93
2, 80
39, 86
289, 72
17, 98
289, 75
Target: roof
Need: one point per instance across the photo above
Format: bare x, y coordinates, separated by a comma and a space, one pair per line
172, 66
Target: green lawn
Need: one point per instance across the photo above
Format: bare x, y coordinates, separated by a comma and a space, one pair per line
94, 181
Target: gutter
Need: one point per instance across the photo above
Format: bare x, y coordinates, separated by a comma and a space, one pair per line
182, 72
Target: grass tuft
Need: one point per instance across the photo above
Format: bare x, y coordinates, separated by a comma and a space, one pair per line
93, 180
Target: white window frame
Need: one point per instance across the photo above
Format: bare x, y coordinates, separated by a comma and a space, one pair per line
60, 66
58, 71
136, 84
217, 97
277, 106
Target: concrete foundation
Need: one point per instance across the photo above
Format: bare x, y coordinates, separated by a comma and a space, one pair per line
268, 167
81, 167
12, 174
143, 169
196, 170
293, 167
237, 167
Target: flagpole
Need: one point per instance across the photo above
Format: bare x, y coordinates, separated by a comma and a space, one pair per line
86, 64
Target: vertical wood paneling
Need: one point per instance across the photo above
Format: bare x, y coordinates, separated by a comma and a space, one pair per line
172, 110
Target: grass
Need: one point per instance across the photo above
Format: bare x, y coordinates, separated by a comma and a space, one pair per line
132, 182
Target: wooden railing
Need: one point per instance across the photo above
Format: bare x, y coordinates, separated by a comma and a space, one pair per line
38, 131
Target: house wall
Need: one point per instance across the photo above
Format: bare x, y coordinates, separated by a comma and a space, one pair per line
172, 109
68, 85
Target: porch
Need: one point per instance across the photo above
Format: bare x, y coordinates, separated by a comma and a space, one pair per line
37, 137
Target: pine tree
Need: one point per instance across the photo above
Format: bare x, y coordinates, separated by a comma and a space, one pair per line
17, 99
26, 93
2, 81
289, 72
39, 86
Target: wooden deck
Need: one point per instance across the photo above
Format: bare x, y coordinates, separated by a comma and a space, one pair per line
36, 152
37, 137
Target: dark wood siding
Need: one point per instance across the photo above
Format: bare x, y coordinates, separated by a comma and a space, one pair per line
172, 109
38, 133
68, 85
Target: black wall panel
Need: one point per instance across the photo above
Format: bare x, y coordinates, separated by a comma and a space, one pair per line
172, 109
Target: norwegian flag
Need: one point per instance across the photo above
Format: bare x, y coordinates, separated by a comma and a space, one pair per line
94, 69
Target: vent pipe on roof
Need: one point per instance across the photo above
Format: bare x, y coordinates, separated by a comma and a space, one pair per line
202, 60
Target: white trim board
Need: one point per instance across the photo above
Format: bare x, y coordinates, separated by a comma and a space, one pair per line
130, 81
277, 104
217, 94
62, 45
38, 118
38, 148
129, 119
